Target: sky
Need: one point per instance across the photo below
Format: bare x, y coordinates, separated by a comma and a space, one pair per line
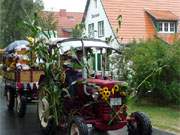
69, 5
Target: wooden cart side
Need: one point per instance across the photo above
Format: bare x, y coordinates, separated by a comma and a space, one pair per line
1, 55
23, 76
36, 75
10, 75
30, 75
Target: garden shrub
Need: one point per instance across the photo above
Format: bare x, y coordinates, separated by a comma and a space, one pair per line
156, 67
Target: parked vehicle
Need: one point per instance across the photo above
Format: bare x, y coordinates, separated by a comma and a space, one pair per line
21, 81
94, 102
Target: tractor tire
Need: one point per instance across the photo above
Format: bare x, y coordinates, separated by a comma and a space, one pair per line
10, 98
100, 133
77, 126
21, 106
141, 125
47, 124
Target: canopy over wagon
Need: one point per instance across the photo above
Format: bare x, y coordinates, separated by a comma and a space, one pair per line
17, 46
66, 44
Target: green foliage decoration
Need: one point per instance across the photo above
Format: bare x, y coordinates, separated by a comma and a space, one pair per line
78, 31
51, 64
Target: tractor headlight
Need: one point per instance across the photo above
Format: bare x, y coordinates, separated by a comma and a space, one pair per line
95, 95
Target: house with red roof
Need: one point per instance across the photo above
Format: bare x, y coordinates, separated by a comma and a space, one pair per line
66, 21
141, 20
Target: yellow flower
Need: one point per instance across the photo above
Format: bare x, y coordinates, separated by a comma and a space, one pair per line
105, 93
105, 88
30, 39
101, 91
115, 88
123, 94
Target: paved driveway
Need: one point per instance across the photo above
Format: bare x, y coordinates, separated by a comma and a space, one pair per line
10, 124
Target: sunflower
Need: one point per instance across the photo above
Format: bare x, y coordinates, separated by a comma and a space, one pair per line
123, 94
105, 93
115, 88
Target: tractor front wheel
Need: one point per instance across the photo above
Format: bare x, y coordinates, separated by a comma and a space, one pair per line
47, 124
77, 126
140, 125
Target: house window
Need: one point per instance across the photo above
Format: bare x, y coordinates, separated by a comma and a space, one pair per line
91, 30
172, 27
167, 27
101, 29
160, 26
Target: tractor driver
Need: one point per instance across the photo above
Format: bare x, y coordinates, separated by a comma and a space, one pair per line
74, 72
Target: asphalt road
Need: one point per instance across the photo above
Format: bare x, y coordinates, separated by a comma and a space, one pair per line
10, 124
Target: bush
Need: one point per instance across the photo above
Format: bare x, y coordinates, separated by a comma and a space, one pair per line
156, 68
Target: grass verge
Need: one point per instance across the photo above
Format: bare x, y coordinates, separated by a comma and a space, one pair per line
162, 117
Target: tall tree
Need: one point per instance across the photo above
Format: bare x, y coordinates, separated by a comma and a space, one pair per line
78, 31
0, 20
13, 13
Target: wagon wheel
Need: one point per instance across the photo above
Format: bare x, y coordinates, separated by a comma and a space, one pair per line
10, 98
21, 105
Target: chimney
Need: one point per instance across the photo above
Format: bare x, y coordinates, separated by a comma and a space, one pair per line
62, 12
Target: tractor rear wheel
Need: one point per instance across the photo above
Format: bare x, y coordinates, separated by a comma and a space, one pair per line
141, 125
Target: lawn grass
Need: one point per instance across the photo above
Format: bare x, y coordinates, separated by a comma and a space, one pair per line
162, 117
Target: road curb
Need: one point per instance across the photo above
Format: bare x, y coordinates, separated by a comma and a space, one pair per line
157, 131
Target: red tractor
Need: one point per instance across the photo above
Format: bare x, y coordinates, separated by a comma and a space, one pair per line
94, 102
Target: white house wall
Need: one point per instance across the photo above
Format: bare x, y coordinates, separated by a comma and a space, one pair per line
94, 15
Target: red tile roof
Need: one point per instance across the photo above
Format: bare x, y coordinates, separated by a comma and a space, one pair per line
136, 23
162, 15
66, 20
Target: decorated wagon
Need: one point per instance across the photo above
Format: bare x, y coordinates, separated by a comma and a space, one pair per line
21, 80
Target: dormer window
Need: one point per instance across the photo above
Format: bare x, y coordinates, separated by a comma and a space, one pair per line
166, 26
165, 21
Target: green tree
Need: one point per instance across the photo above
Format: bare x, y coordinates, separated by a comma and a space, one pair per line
78, 31
12, 14
156, 67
